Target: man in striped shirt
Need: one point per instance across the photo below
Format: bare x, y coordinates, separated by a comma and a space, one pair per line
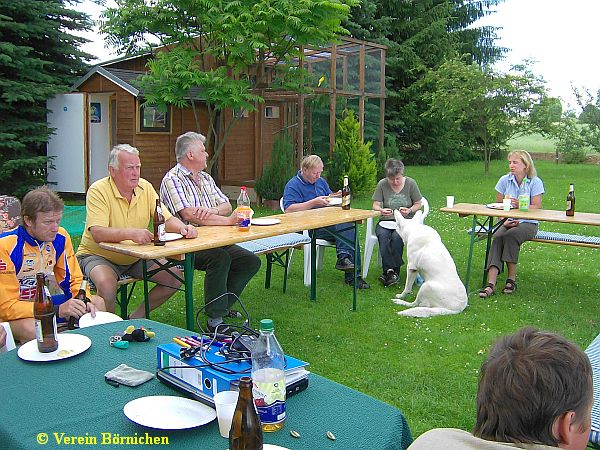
193, 196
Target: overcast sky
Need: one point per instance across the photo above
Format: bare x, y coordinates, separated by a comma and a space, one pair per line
558, 34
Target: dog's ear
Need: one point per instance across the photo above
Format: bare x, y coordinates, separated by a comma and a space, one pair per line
418, 216
399, 217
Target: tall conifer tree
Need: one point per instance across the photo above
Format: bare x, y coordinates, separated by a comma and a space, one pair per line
38, 59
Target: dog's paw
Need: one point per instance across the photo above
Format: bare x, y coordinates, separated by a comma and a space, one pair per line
397, 301
403, 294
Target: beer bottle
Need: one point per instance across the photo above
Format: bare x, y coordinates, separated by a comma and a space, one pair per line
44, 317
571, 200
346, 194
159, 224
81, 295
246, 432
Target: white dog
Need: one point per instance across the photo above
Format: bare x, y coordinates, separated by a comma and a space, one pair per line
442, 291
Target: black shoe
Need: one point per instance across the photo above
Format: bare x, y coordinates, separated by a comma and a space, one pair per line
360, 283
389, 278
221, 329
345, 264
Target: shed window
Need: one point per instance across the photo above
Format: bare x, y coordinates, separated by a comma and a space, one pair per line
272, 112
152, 119
240, 113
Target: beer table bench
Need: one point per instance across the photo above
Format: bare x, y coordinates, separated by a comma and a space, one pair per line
277, 250
220, 236
69, 398
593, 352
484, 229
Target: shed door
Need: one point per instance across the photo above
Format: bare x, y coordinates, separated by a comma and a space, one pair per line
68, 144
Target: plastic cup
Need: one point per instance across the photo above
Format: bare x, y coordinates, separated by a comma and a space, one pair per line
449, 201
506, 203
225, 402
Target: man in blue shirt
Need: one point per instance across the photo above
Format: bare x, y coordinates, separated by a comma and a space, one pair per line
307, 190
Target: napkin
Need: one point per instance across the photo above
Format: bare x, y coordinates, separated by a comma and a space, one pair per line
123, 374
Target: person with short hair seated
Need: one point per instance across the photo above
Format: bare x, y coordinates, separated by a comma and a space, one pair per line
120, 207
192, 195
535, 392
39, 245
308, 190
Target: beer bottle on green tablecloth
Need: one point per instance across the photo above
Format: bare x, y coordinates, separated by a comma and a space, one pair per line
159, 225
571, 200
246, 432
44, 317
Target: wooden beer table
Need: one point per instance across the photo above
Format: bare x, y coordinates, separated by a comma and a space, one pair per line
219, 236
485, 227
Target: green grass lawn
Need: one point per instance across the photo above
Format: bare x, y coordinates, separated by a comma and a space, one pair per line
429, 368
536, 143
533, 143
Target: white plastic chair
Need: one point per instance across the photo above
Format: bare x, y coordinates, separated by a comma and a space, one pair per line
10, 340
371, 239
321, 244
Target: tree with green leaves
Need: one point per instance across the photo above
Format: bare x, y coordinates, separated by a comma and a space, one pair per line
487, 107
352, 157
223, 54
420, 36
38, 59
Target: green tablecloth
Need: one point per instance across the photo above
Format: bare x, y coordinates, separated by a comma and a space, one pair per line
71, 397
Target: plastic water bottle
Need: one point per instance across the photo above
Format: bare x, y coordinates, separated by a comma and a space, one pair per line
268, 377
243, 209
524, 195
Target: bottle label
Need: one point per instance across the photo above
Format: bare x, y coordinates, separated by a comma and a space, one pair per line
269, 395
39, 328
161, 232
523, 202
345, 200
568, 204
244, 218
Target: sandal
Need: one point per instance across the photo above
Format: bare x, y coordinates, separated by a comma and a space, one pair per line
510, 287
487, 291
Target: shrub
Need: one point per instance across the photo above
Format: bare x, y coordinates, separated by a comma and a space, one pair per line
571, 143
271, 183
351, 157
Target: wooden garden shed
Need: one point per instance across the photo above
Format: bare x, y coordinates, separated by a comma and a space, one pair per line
105, 109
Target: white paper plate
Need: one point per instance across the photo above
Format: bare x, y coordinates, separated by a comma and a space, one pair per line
165, 412
101, 317
334, 201
273, 447
171, 237
259, 221
388, 224
69, 345
496, 206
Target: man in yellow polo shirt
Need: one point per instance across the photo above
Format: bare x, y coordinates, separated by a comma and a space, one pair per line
118, 208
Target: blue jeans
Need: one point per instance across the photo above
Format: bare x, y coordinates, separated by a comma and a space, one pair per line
342, 249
